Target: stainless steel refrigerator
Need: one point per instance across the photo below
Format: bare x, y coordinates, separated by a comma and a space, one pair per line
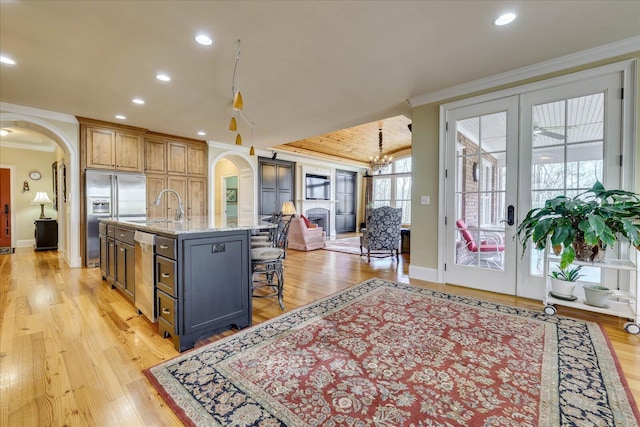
111, 196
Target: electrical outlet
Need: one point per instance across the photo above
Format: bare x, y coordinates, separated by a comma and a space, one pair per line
425, 200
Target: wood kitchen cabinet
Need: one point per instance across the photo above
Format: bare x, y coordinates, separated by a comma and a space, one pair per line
193, 192
155, 184
155, 156
196, 197
196, 161
186, 159
113, 149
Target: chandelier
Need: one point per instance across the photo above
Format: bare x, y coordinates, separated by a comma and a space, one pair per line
380, 162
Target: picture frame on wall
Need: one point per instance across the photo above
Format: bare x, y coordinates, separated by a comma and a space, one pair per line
232, 194
54, 174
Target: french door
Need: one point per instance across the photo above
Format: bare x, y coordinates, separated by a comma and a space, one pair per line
481, 192
506, 156
572, 138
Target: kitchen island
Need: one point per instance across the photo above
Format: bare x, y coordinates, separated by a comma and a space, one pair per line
201, 280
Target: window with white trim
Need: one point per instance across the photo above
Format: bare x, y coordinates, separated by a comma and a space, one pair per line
393, 187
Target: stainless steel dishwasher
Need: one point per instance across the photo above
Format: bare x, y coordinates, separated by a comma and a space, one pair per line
145, 298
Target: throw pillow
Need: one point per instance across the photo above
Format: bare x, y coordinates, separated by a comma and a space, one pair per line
306, 221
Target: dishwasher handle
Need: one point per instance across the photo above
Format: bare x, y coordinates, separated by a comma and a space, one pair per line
144, 238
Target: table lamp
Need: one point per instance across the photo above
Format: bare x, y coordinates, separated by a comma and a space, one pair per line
288, 209
40, 199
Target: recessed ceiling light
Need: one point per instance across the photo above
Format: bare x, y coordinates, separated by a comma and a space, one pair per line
7, 60
4, 132
163, 77
505, 19
137, 101
121, 117
204, 39
202, 133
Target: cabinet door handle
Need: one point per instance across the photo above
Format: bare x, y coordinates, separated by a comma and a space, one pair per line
166, 311
164, 247
121, 249
166, 275
122, 235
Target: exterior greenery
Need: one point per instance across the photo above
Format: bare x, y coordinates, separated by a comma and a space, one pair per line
567, 274
596, 216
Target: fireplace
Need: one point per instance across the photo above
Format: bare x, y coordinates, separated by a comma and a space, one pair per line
319, 216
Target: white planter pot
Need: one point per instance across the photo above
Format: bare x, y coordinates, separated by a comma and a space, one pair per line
596, 297
562, 287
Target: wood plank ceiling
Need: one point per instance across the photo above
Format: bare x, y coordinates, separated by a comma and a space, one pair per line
356, 145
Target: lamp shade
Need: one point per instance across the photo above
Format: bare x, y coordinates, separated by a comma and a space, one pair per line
238, 139
233, 124
252, 151
237, 101
288, 208
41, 198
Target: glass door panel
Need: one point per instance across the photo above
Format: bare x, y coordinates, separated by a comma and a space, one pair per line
480, 254
564, 129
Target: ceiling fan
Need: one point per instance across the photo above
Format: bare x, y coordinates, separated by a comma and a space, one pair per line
544, 131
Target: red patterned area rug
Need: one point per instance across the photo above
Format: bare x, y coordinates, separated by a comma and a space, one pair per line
389, 354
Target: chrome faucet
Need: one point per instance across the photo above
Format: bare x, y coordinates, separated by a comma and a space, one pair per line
179, 209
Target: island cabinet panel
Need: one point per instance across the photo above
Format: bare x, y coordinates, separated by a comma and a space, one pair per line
216, 287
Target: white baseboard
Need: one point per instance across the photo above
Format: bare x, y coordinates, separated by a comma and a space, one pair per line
25, 243
423, 273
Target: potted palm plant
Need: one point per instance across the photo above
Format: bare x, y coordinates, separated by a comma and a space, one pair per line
582, 227
563, 281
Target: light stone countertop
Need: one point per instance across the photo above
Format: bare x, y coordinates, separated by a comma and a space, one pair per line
195, 225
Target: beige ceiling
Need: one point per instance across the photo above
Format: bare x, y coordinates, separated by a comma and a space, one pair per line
307, 68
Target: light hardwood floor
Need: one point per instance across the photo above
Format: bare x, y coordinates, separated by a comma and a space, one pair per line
72, 349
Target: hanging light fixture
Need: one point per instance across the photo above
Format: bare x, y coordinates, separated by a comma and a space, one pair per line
238, 103
380, 162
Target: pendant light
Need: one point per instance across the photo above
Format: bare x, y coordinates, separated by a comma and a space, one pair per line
238, 104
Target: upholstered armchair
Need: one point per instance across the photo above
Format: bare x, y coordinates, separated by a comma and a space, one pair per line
383, 231
304, 238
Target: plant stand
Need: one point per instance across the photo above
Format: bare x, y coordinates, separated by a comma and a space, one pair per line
622, 303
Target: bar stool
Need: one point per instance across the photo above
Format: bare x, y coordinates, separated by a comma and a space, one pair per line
267, 266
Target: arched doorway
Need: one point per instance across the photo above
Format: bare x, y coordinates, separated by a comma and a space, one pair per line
69, 218
231, 163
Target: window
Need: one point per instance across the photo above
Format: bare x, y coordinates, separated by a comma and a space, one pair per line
393, 188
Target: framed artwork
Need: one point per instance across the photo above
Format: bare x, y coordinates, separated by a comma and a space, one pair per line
232, 194
54, 173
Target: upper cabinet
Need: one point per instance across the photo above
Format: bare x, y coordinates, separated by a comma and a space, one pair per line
155, 156
186, 159
112, 148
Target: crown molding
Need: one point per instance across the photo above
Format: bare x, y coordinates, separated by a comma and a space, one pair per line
610, 50
50, 148
36, 112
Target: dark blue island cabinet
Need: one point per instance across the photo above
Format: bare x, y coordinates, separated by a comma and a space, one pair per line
202, 284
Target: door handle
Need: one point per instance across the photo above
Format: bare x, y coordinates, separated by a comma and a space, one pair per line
511, 214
